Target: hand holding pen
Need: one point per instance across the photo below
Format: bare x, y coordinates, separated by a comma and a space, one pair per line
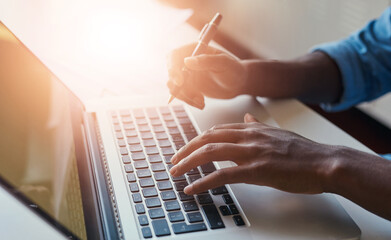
198, 70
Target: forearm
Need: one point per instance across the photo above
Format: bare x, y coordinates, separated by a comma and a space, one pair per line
363, 178
313, 78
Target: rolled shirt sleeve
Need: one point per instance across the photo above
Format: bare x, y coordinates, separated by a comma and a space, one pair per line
364, 60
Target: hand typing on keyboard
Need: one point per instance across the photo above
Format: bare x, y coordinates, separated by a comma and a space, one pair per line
265, 156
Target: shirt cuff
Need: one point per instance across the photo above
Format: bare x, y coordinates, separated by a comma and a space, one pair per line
345, 56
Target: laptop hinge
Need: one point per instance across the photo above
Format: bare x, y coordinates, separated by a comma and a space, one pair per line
109, 218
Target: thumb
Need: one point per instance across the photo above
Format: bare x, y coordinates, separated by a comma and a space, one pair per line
248, 118
208, 62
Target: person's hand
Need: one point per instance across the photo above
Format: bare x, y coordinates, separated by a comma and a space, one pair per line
214, 74
265, 156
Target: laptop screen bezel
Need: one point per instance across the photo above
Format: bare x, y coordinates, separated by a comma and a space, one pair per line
92, 215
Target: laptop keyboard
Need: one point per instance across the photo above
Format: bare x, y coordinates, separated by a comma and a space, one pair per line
147, 139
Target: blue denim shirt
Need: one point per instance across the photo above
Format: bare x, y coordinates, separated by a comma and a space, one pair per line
364, 60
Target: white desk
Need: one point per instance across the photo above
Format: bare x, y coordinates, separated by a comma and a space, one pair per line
16, 222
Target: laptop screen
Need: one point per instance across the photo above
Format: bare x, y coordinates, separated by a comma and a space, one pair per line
37, 149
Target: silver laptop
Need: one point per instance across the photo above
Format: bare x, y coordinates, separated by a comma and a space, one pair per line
100, 171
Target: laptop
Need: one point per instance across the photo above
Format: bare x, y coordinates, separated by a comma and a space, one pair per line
100, 171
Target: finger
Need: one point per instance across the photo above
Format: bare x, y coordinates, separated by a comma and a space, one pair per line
248, 118
191, 97
217, 179
208, 153
208, 62
209, 136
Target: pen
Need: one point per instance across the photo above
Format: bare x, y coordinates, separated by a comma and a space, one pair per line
206, 35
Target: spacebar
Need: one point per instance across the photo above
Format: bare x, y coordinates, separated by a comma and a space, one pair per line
213, 216
184, 228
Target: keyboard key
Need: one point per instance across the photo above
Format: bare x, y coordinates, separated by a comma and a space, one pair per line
158, 129
133, 140
138, 113
190, 206
189, 129
115, 121
151, 150
171, 124
161, 227
125, 159
147, 182
160, 176
179, 178
225, 210
154, 158
135, 148
156, 213
227, 199
208, 168
179, 186
164, 143
113, 114
176, 216
219, 190
193, 171
173, 131
190, 136
128, 168
158, 167
164, 110
213, 217
161, 136
141, 164
131, 177
179, 228
168, 195
167, 159
179, 145
131, 133
140, 208
121, 143
194, 178
164, 185
169, 166
204, 198
184, 121
172, 205
149, 143
133, 187
194, 217
156, 122
124, 112
117, 128
178, 108
137, 197
138, 156
119, 135
185, 197
147, 233
168, 117
123, 151
176, 137
129, 126
143, 220
238, 220
143, 173
141, 121
152, 113
149, 192
233, 209
146, 135
144, 128
127, 120
167, 151
152, 202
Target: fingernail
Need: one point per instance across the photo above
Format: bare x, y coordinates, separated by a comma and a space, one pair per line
191, 61
173, 159
188, 189
178, 81
173, 171
198, 101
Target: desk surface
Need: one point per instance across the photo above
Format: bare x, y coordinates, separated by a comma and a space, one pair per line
289, 114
